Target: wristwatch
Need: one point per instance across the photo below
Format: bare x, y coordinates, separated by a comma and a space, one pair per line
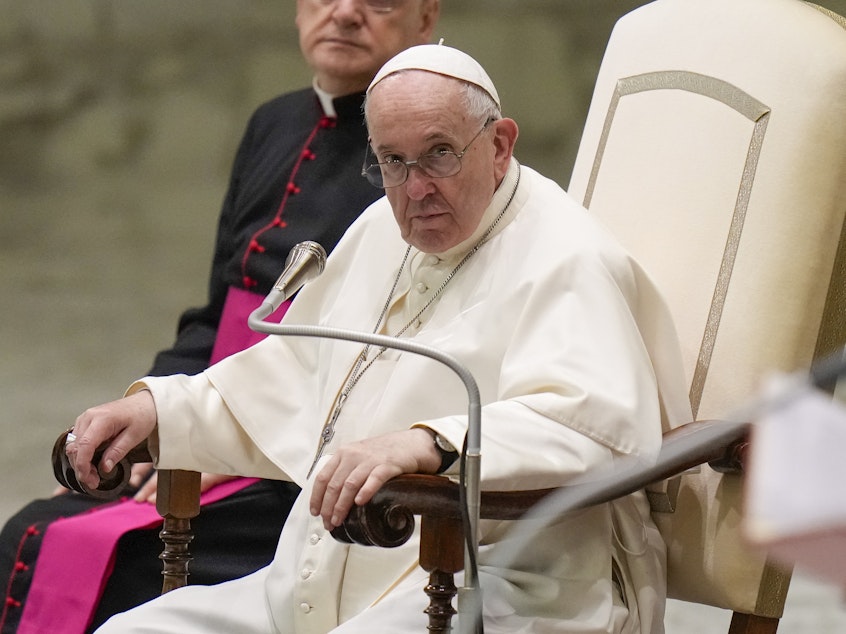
449, 454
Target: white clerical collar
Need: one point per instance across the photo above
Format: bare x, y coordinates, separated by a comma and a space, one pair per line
325, 99
504, 195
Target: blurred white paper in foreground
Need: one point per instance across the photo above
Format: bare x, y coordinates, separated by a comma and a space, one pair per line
795, 498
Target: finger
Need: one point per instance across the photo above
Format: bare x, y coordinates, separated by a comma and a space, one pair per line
118, 448
81, 454
85, 446
344, 498
123, 424
79, 450
321, 482
147, 492
88, 432
88, 476
140, 472
375, 480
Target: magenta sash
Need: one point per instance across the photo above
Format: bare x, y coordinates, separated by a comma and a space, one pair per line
78, 553
77, 557
233, 333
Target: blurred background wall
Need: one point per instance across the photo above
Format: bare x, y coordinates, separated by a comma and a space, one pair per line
118, 123
119, 120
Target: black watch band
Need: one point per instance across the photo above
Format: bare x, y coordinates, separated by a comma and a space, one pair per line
448, 453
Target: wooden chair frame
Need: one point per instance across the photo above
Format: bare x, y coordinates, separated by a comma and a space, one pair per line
388, 519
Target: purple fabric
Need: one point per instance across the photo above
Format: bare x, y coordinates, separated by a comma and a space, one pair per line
233, 334
77, 554
74, 555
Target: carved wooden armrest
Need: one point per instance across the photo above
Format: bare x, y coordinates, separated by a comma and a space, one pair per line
388, 519
111, 484
177, 501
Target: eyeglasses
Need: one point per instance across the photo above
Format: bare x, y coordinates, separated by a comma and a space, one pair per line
376, 6
438, 164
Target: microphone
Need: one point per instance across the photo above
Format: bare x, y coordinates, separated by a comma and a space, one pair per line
305, 261
469, 596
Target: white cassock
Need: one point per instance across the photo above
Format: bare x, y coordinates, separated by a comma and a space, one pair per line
575, 356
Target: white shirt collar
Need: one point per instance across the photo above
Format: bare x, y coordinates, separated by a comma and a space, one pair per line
500, 198
325, 99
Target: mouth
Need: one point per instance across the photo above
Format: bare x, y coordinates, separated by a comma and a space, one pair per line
428, 218
428, 209
341, 42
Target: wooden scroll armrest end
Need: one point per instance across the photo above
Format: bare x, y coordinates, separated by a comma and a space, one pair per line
111, 484
388, 519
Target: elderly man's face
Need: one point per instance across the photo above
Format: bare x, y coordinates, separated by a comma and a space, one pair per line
346, 41
414, 113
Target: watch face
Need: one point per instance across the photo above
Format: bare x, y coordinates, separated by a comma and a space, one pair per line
443, 444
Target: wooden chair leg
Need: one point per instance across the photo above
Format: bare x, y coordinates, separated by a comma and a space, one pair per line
752, 624
440, 590
177, 501
441, 555
176, 535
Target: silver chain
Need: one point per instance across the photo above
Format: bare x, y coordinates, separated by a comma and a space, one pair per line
358, 371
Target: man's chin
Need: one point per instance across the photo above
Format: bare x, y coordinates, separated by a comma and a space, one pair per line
343, 57
431, 240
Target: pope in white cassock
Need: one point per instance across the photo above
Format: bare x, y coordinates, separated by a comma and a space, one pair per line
471, 253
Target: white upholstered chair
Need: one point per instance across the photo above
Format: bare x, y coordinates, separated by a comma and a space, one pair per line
715, 150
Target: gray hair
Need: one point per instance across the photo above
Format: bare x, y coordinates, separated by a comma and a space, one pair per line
477, 102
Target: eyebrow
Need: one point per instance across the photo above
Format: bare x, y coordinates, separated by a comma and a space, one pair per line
432, 139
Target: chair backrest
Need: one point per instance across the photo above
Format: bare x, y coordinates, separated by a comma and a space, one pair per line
715, 150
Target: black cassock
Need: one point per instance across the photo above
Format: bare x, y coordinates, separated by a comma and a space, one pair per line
296, 176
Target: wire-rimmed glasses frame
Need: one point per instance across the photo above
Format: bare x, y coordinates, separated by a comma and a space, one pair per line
438, 164
376, 6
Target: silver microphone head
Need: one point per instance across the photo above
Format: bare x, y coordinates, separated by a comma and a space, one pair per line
305, 261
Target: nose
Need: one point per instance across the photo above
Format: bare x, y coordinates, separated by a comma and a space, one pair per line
347, 13
418, 185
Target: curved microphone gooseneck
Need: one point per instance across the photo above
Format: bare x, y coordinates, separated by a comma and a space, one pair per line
305, 262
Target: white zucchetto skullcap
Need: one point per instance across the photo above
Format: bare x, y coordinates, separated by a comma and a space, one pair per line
440, 59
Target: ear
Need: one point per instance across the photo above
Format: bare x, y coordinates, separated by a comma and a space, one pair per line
505, 136
430, 11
